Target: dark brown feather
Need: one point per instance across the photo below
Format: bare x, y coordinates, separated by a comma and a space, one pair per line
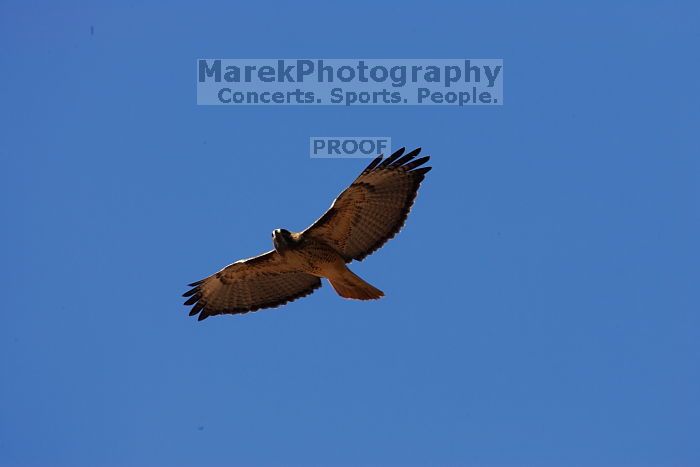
264, 281
398, 177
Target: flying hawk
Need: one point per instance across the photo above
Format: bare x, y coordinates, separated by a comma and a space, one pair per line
361, 219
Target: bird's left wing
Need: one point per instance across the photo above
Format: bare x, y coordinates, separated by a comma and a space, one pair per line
374, 207
265, 281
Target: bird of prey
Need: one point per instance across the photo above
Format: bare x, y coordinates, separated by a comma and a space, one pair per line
362, 218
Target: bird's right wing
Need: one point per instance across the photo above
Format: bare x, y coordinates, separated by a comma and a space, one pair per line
265, 281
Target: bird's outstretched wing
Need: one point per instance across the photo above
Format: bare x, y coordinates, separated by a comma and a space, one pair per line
374, 207
265, 281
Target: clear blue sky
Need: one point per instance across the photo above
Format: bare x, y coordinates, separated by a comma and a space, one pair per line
542, 302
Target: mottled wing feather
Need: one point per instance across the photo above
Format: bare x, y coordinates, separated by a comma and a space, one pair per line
374, 207
265, 281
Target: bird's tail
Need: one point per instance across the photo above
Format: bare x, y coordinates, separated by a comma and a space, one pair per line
350, 285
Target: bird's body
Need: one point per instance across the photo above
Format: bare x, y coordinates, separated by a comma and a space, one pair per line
367, 214
307, 253
314, 256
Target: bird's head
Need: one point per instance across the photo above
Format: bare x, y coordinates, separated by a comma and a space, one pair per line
282, 240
